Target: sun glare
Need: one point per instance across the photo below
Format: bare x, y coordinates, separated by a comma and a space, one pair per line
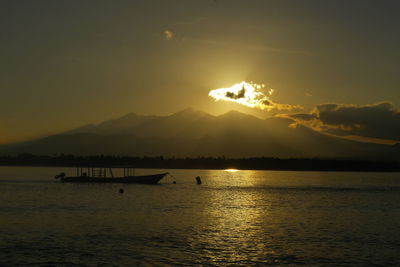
252, 95
231, 170
249, 94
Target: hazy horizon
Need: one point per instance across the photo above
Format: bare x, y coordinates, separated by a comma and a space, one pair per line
194, 133
118, 116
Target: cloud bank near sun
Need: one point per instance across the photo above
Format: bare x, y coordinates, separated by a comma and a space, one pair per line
252, 95
371, 123
379, 121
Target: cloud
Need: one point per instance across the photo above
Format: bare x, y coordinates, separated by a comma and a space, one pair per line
168, 34
239, 95
251, 95
191, 22
379, 121
255, 47
302, 116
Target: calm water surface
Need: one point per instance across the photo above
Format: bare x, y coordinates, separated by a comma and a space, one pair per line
233, 218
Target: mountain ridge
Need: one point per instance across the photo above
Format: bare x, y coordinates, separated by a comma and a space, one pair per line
197, 133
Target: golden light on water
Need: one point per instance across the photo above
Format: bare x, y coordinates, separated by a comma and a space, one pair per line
231, 170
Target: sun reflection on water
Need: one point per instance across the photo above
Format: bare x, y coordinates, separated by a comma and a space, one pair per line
233, 230
231, 170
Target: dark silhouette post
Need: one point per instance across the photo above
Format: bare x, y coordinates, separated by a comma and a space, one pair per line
198, 180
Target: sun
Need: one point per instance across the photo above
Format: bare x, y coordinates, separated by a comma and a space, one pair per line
252, 95
249, 94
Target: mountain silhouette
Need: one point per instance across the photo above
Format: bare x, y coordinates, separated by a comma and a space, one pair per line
196, 133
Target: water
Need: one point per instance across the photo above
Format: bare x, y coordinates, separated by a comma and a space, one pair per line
233, 218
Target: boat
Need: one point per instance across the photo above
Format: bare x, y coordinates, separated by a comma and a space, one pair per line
105, 175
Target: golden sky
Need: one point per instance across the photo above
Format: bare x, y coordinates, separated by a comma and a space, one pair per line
68, 63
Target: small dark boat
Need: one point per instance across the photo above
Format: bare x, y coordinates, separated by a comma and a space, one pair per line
99, 175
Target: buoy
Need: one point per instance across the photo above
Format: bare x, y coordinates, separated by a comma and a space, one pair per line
58, 176
121, 191
198, 180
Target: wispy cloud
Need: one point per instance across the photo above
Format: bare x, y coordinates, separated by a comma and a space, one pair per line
190, 22
254, 47
168, 34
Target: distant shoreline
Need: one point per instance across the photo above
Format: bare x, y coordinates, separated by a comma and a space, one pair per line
288, 170
211, 163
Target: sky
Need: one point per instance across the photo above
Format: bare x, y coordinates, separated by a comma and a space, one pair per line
69, 63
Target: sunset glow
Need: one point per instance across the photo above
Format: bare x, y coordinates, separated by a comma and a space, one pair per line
219, 132
249, 94
252, 95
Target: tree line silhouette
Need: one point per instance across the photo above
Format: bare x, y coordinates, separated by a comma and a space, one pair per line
259, 163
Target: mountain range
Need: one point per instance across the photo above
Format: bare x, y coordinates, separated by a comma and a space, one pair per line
191, 133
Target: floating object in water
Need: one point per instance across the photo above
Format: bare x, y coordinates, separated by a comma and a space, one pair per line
58, 176
105, 175
174, 182
121, 191
198, 180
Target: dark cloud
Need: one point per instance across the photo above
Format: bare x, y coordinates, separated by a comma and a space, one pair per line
303, 116
267, 102
240, 94
380, 120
